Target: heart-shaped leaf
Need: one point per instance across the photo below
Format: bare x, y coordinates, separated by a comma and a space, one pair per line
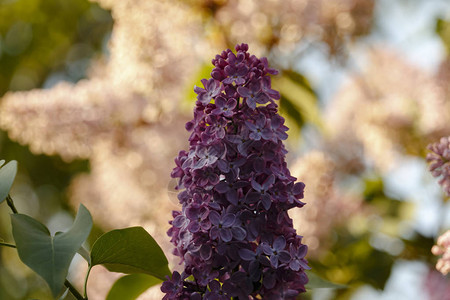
130, 287
47, 255
7, 175
130, 250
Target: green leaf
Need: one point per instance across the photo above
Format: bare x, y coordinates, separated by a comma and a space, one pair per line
129, 287
7, 175
130, 250
49, 256
64, 295
443, 30
317, 282
298, 100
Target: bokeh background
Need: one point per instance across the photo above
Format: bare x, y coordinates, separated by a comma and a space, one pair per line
94, 97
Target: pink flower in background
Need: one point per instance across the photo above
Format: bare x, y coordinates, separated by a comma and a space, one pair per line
439, 160
443, 248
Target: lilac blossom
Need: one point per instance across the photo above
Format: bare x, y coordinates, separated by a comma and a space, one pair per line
211, 90
235, 74
253, 94
233, 233
216, 292
259, 129
276, 252
172, 287
221, 226
230, 187
224, 107
260, 192
298, 257
439, 160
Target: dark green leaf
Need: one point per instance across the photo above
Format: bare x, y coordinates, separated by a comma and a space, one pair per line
7, 175
301, 80
288, 108
443, 30
64, 295
130, 250
317, 282
298, 100
129, 287
49, 256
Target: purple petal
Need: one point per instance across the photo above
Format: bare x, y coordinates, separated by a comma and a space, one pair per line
303, 264
214, 285
279, 243
247, 254
302, 250
228, 220
222, 187
213, 179
294, 265
266, 249
298, 188
179, 221
223, 166
266, 201
274, 261
259, 164
251, 102
243, 91
256, 186
239, 233
205, 252
252, 197
269, 281
268, 182
193, 227
198, 90
220, 101
225, 234
284, 256
214, 233
261, 98
214, 217
232, 196
231, 103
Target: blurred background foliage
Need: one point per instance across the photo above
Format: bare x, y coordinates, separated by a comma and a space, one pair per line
94, 97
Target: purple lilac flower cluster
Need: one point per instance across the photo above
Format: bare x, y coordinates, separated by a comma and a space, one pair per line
233, 233
439, 160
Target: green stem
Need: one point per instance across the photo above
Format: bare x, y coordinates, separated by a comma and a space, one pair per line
85, 282
7, 245
73, 290
10, 203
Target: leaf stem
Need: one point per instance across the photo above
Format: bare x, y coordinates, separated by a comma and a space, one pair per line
73, 290
86, 280
7, 245
10, 203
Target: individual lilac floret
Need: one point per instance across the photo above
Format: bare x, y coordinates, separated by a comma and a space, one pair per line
253, 94
277, 253
439, 160
224, 107
233, 233
211, 90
